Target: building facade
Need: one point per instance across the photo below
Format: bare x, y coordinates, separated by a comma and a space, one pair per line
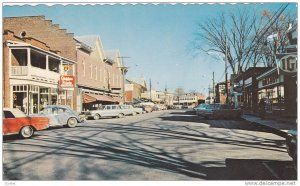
134, 90
35, 76
60, 52
100, 79
188, 100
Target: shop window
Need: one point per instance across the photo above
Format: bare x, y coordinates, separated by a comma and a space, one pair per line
19, 57
38, 60
53, 64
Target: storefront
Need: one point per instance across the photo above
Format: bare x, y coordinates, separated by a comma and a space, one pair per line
278, 92
32, 77
32, 98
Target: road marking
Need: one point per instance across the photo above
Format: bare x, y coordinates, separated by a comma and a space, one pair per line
271, 170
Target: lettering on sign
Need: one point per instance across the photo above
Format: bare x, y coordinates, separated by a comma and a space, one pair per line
67, 81
288, 63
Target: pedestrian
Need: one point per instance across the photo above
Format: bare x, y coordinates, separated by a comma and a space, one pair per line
262, 108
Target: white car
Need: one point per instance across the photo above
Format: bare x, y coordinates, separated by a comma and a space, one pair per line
106, 111
132, 110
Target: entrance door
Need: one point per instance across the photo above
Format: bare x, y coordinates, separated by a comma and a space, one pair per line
33, 103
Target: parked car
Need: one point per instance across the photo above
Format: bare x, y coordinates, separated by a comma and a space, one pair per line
128, 110
60, 115
217, 111
291, 144
134, 110
158, 107
200, 108
146, 108
16, 122
106, 111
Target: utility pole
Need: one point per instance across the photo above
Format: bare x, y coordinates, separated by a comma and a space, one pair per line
226, 84
150, 90
213, 87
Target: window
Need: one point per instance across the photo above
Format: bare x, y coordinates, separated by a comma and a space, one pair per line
8, 114
46, 110
53, 64
38, 59
83, 65
91, 70
96, 74
19, 57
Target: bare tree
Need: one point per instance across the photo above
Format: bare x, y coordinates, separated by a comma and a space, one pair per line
240, 35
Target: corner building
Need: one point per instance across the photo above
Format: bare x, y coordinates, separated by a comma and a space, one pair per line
37, 54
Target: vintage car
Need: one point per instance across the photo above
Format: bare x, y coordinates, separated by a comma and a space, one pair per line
60, 115
16, 122
291, 144
220, 111
130, 110
106, 111
200, 108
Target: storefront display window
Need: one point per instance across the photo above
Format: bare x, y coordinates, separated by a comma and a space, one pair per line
274, 98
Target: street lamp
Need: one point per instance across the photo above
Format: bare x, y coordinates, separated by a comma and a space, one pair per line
124, 70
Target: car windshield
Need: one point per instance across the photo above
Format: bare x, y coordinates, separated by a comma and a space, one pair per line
202, 106
213, 106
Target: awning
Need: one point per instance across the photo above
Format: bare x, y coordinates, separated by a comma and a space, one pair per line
88, 98
99, 98
118, 99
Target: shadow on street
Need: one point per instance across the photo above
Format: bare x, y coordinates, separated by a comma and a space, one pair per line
137, 152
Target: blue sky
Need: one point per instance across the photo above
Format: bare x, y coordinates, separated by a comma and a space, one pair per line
157, 38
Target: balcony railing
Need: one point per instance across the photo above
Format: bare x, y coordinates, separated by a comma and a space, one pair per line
35, 73
19, 70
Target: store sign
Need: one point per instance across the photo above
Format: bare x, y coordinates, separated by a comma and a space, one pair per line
67, 82
288, 63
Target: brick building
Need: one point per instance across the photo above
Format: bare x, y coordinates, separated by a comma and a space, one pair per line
100, 79
31, 72
59, 51
134, 89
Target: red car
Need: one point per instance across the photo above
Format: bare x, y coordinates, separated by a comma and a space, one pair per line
16, 122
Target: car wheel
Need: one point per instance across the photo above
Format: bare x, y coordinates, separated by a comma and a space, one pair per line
134, 113
26, 132
72, 122
97, 116
120, 115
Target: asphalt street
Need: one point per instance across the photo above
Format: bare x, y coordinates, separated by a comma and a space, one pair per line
163, 145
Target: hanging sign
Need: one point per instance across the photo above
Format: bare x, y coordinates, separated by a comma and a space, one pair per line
67, 82
287, 63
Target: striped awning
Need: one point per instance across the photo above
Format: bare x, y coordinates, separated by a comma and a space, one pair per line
88, 99
94, 97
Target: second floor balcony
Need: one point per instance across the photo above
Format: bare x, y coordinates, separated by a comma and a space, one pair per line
33, 64
34, 73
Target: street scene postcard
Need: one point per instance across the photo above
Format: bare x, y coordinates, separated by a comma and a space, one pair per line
150, 92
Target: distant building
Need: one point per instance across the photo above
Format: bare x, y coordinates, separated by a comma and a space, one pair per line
159, 97
220, 93
134, 89
188, 100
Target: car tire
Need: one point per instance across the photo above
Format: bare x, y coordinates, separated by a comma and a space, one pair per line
134, 113
72, 122
97, 116
26, 132
120, 115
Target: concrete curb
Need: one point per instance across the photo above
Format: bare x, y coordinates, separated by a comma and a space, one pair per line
268, 128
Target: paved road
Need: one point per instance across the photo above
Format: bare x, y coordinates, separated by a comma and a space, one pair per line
163, 145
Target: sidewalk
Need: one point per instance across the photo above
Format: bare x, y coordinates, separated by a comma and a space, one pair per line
276, 126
